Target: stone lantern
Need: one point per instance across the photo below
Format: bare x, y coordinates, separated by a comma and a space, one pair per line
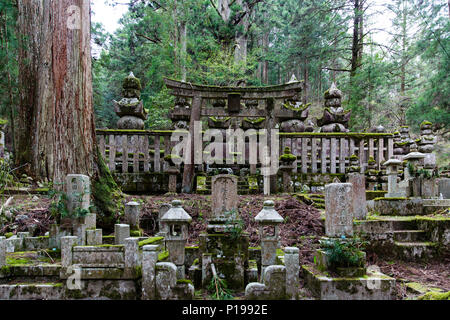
392, 171
269, 221
414, 162
177, 221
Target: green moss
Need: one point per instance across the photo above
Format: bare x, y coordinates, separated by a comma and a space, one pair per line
425, 123
107, 196
184, 281
391, 199
150, 241
435, 296
214, 119
3, 121
300, 108
9, 235
136, 233
356, 135
255, 121
163, 256
132, 83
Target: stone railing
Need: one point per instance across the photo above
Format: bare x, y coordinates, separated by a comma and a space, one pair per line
144, 151
339, 147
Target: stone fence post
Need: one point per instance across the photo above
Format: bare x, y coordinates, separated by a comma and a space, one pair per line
149, 260
131, 255
67, 243
292, 263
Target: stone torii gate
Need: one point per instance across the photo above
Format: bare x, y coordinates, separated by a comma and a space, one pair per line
273, 112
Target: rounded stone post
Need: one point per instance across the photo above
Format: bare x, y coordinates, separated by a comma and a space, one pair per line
292, 263
67, 243
339, 210
149, 260
132, 214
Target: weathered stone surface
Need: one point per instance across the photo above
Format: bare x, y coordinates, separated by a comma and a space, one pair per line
2, 251
339, 210
90, 221
224, 195
94, 237
292, 263
79, 231
358, 180
149, 259
78, 189
132, 214
99, 256
67, 244
373, 286
273, 288
121, 232
183, 291
163, 227
131, 255
166, 279
130, 123
35, 243
398, 207
444, 187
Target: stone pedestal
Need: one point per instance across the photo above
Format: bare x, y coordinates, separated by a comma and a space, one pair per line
163, 228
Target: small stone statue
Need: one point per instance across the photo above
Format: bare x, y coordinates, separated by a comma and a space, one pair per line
131, 109
335, 118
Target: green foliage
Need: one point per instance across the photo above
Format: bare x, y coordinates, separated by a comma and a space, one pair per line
237, 225
58, 206
218, 287
5, 174
343, 253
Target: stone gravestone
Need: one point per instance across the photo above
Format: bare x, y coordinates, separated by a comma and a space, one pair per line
78, 189
339, 210
444, 188
224, 196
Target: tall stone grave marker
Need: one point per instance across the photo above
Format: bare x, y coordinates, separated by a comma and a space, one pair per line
339, 210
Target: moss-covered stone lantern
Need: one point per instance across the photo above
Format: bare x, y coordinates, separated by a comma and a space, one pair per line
177, 220
269, 221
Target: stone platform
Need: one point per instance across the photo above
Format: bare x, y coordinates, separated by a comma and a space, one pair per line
372, 286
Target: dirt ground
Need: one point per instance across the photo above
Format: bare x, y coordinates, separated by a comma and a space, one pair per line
303, 228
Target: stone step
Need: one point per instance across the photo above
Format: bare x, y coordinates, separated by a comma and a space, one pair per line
399, 225
409, 235
415, 251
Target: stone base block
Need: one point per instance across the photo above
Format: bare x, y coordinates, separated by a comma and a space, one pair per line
372, 286
398, 206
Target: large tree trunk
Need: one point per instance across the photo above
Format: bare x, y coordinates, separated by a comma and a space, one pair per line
356, 43
56, 116
57, 130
